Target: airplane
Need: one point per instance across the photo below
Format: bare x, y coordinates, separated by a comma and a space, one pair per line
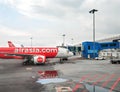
36, 55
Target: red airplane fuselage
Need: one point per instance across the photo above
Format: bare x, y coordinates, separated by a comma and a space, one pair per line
34, 54
48, 52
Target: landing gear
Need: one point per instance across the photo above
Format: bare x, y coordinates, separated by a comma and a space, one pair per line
63, 59
28, 61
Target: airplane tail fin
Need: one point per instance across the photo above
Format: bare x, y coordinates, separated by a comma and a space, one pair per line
11, 44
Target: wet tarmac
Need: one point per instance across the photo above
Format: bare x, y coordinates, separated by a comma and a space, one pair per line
15, 77
99, 73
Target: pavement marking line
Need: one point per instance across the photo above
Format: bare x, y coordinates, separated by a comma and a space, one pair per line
110, 78
84, 77
94, 77
29, 68
77, 86
115, 84
100, 79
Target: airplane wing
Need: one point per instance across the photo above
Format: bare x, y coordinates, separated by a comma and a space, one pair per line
31, 58
20, 54
14, 54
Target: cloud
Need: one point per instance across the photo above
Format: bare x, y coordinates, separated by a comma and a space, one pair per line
47, 20
45, 8
13, 32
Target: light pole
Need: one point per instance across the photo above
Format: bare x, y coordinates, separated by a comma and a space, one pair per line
93, 12
63, 40
72, 40
31, 41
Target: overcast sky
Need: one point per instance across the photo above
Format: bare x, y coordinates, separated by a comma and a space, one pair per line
47, 20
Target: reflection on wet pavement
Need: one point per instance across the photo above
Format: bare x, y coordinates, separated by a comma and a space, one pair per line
87, 82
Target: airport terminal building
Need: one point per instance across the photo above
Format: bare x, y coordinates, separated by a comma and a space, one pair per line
92, 49
89, 51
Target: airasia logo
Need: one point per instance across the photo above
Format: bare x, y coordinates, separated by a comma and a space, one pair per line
36, 50
39, 59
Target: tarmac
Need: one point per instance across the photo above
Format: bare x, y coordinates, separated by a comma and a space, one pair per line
15, 77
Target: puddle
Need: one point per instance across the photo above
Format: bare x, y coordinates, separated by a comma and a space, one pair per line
53, 83
94, 88
50, 77
50, 80
48, 74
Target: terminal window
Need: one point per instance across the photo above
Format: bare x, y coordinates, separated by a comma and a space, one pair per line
104, 45
88, 47
113, 44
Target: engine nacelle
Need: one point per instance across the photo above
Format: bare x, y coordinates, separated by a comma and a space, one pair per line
39, 59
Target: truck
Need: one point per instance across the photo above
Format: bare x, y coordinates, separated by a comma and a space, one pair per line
116, 59
112, 54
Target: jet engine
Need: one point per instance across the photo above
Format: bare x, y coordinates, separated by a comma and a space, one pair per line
39, 59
